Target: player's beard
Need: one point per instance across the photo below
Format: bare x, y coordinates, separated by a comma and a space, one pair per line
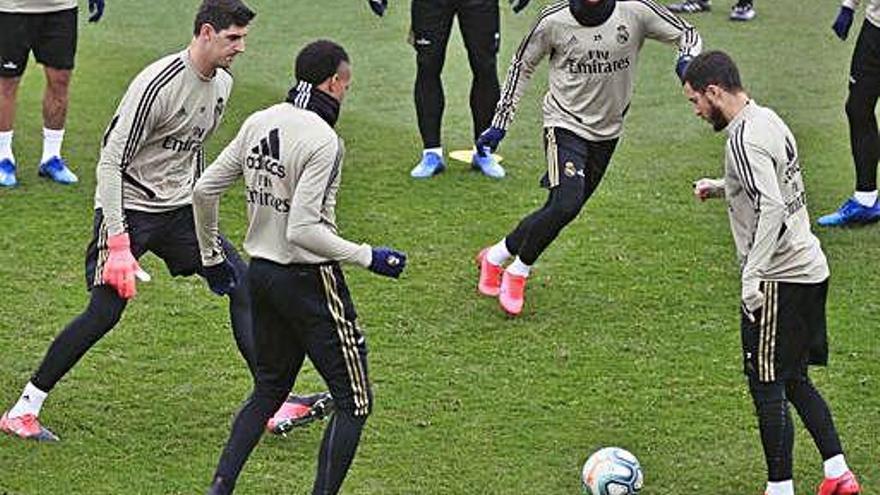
716, 118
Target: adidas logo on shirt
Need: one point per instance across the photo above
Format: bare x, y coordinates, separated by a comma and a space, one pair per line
266, 156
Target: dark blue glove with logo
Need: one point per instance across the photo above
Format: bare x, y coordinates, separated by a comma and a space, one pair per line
843, 22
378, 6
681, 66
490, 138
388, 262
96, 8
518, 5
221, 278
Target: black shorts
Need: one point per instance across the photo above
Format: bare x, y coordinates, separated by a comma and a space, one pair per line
51, 36
170, 235
306, 310
865, 65
573, 159
788, 334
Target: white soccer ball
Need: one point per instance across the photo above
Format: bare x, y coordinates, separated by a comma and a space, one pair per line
611, 471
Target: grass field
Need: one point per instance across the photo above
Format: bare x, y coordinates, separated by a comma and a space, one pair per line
630, 335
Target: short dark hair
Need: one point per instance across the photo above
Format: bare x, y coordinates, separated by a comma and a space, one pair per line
715, 68
221, 14
318, 60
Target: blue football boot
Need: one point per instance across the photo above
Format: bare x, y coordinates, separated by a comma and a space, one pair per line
852, 213
56, 169
7, 173
487, 164
431, 165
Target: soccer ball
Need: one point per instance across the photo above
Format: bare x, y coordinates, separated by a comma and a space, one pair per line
611, 471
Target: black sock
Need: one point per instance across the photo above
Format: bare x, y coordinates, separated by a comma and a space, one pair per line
338, 447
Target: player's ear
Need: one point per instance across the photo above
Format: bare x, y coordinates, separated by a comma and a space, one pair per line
206, 31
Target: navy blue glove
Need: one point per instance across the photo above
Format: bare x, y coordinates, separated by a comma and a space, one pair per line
518, 5
378, 6
388, 262
681, 66
490, 138
843, 22
221, 278
96, 8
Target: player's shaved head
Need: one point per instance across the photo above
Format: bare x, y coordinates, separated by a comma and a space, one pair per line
222, 14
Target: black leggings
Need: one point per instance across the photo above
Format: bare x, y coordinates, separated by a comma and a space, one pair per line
575, 168
776, 426
864, 88
479, 23
104, 311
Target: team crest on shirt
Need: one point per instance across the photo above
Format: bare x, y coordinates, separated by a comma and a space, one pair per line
218, 108
622, 34
570, 170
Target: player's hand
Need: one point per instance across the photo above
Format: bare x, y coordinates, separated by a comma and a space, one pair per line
843, 22
681, 66
388, 262
752, 299
121, 267
490, 138
708, 188
221, 277
378, 6
518, 5
96, 8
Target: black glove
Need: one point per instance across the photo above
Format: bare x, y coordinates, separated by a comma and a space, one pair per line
518, 5
96, 8
681, 66
388, 262
378, 6
843, 22
221, 278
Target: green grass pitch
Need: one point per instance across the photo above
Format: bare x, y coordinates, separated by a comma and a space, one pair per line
630, 335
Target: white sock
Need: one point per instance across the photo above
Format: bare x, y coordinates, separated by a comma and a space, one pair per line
780, 487
52, 140
30, 402
6, 146
436, 151
864, 198
519, 268
836, 467
498, 254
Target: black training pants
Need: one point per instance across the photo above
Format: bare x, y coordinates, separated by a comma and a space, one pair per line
299, 311
864, 89
575, 167
479, 23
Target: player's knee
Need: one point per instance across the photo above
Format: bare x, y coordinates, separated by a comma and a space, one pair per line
105, 308
858, 106
766, 394
58, 81
566, 207
9, 86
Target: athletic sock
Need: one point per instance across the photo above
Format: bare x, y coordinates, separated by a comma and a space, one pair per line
866, 198
437, 151
780, 487
835, 467
498, 253
30, 402
52, 140
519, 268
6, 146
